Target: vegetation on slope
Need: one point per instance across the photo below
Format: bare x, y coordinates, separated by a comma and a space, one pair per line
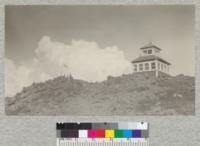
133, 94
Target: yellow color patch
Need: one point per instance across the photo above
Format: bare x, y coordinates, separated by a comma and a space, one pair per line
109, 134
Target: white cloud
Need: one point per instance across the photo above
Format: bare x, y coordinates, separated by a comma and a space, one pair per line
16, 77
83, 60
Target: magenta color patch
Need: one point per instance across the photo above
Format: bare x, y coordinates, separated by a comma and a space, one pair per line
91, 133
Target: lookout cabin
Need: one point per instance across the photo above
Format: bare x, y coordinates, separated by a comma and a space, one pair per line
150, 60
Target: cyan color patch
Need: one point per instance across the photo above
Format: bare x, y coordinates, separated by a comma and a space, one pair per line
127, 133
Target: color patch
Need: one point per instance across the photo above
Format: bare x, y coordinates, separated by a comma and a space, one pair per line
74, 126
145, 134
109, 133
69, 133
118, 133
137, 133
85, 126
104, 126
102, 130
91, 133
127, 133
83, 133
100, 133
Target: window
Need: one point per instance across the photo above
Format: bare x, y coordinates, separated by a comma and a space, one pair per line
161, 66
141, 67
158, 66
153, 65
165, 67
149, 51
146, 66
145, 51
135, 67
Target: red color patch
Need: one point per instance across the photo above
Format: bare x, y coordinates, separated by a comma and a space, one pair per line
100, 133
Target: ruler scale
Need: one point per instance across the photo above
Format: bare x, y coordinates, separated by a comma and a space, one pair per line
102, 134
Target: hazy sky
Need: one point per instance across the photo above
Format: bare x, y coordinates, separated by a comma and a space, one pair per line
127, 27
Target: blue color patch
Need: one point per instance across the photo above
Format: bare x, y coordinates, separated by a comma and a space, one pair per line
127, 133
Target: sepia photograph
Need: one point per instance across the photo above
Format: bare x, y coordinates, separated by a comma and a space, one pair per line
100, 60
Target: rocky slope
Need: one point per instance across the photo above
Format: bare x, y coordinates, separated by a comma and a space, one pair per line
134, 94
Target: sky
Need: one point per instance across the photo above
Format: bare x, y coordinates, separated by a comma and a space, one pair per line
93, 42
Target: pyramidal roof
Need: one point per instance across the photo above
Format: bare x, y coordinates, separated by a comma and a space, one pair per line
149, 58
150, 45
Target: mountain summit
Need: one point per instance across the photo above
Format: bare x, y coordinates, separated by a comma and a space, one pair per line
133, 94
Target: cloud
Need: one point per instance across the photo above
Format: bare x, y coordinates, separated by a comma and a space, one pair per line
83, 60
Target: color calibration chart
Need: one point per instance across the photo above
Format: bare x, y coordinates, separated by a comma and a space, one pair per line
103, 134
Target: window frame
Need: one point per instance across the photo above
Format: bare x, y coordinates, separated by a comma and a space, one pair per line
135, 67
141, 67
162, 67
150, 51
158, 65
153, 66
146, 66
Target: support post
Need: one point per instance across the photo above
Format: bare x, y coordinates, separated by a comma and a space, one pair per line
156, 73
156, 65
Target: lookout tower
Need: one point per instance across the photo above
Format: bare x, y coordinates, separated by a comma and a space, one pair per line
149, 60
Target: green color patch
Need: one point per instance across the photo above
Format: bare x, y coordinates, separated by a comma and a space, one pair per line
118, 133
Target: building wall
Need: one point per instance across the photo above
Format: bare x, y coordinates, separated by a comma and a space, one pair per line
151, 66
163, 67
